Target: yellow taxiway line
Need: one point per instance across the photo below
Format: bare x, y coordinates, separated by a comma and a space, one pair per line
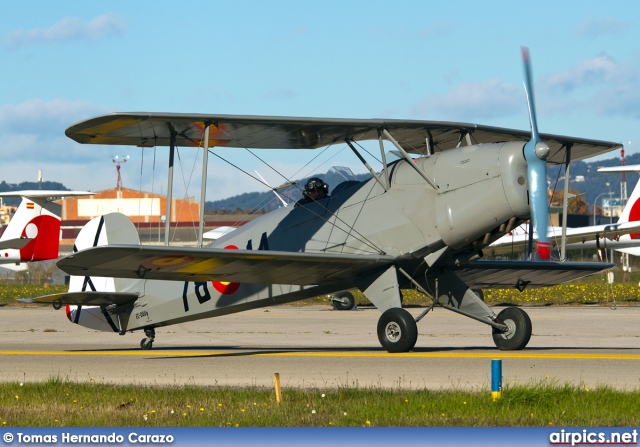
275, 353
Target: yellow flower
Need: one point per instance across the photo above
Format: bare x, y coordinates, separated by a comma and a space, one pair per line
243, 410
184, 414
219, 405
201, 409
368, 422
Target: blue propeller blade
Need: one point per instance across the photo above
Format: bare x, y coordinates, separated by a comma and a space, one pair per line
536, 153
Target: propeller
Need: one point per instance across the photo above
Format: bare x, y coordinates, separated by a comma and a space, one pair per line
536, 153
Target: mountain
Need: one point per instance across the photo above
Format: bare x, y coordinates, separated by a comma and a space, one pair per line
263, 202
585, 179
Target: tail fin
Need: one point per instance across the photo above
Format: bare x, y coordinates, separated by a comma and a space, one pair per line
111, 228
36, 221
631, 212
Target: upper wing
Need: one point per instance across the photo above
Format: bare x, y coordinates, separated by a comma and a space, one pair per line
524, 274
517, 242
211, 264
155, 129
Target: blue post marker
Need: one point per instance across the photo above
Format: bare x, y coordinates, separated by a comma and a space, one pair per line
496, 379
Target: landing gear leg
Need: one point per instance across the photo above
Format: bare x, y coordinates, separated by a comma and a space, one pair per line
147, 343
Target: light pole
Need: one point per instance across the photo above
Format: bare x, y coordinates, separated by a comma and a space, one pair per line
595, 205
118, 161
595, 202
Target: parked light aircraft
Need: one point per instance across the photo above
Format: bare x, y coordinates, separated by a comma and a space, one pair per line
33, 234
623, 235
421, 222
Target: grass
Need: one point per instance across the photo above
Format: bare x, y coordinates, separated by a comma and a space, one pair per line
60, 403
591, 290
9, 293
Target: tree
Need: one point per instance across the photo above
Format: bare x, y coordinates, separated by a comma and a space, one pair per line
576, 205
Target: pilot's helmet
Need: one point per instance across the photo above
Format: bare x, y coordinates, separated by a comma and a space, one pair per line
315, 182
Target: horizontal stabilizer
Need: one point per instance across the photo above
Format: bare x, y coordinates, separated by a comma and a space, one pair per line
16, 243
627, 168
17, 267
525, 274
84, 298
41, 193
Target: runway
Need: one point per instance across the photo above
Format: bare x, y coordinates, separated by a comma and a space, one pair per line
317, 347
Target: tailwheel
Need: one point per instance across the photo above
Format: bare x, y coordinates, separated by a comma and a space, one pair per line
518, 330
344, 301
397, 330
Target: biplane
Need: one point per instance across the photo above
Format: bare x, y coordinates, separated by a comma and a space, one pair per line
420, 222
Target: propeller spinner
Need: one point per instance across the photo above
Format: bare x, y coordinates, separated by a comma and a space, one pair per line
536, 153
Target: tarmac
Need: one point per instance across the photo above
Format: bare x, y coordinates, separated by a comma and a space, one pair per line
317, 347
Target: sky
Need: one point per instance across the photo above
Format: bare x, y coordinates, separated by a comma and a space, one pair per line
425, 60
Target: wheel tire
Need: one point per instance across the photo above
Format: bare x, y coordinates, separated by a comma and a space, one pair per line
397, 330
344, 296
146, 344
519, 332
479, 293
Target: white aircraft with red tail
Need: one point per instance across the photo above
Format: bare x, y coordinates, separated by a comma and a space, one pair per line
33, 234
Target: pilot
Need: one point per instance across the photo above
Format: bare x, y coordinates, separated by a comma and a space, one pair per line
315, 189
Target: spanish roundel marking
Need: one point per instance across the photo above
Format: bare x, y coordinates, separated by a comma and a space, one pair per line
226, 288
634, 215
167, 261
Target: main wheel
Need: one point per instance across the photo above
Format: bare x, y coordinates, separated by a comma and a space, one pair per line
519, 329
397, 330
146, 344
345, 301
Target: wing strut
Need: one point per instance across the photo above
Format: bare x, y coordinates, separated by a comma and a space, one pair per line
366, 165
384, 159
203, 187
409, 159
563, 243
172, 150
